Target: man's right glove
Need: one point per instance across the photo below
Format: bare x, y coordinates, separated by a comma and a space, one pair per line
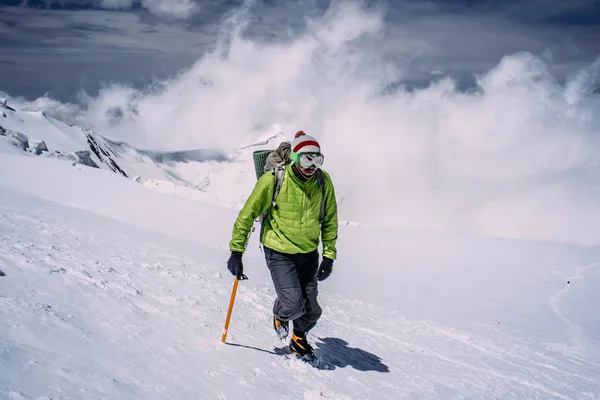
235, 265
325, 269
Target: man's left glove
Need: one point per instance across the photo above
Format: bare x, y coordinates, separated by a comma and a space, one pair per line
325, 269
235, 265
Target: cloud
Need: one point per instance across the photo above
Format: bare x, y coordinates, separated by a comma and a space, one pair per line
61, 52
116, 4
171, 8
59, 110
177, 9
424, 39
514, 156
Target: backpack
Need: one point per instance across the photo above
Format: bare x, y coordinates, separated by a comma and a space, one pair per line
276, 162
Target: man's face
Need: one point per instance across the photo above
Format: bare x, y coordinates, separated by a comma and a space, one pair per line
310, 171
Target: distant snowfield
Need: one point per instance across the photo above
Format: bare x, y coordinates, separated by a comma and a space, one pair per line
113, 291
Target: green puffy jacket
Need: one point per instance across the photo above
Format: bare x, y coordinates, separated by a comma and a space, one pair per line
292, 225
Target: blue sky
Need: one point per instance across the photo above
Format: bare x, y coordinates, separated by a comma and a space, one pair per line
63, 46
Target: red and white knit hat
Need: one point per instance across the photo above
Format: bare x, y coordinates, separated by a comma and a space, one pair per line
304, 143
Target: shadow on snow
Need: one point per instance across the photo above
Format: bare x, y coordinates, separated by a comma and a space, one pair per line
253, 348
334, 352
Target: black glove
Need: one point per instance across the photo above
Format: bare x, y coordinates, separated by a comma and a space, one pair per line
325, 269
235, 265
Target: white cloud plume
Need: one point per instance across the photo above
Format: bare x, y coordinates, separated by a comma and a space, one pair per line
517, 157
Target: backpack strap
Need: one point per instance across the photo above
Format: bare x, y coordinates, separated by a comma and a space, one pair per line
321, 180
279, 174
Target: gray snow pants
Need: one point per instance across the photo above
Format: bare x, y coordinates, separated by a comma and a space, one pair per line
295, 280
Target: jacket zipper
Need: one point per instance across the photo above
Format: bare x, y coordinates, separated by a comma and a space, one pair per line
303, 206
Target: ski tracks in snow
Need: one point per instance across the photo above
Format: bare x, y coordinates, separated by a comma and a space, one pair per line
579, 344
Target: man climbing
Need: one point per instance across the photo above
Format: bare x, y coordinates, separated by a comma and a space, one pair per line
303, 211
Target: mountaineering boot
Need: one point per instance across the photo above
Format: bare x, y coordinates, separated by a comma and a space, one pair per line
282, 328
300, 347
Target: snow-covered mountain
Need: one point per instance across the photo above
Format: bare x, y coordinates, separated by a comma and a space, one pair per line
114, 291
38, 133
204, 174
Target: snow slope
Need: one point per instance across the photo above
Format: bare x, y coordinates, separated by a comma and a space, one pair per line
116, 292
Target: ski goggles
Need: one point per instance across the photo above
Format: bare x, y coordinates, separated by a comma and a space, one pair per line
307, 160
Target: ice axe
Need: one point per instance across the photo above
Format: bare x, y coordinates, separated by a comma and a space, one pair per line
241, 277
231, 301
